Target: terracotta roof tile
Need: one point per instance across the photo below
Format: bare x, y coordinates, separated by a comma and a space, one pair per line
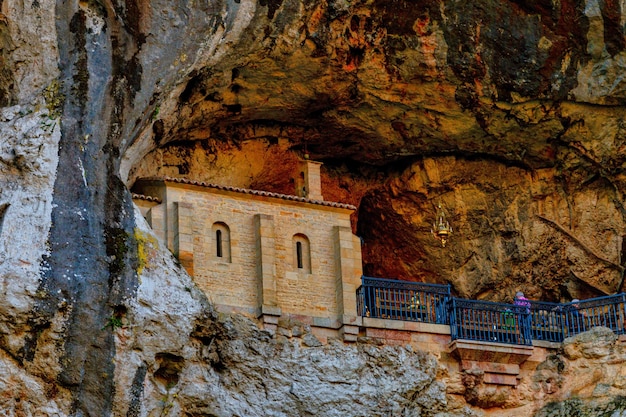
257, 192
146, 197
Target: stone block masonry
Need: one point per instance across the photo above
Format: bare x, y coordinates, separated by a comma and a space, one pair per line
262, 254
183, 235
312, 180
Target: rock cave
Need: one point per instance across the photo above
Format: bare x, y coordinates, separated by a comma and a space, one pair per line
508, 114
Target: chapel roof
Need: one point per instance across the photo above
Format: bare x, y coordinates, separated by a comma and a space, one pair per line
146, 198
252, 192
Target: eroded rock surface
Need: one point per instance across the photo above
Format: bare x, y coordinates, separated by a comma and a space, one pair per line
587, 379
509, 113
181, 358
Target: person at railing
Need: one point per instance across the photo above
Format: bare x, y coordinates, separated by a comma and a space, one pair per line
577, 310
415, 309
523, 311
522, 301
578, 317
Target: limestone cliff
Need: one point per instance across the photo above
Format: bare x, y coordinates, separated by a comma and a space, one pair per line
508, 113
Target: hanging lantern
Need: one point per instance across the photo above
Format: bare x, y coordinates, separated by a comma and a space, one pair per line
441, 227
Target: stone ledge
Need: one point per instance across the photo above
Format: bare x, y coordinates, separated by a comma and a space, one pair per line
349, 333
547, 345
500, 379
497, 368
269, 319
250, 312
388, 334
410, 326
352, 320
475, 351
316, 321
271, 310
499, 362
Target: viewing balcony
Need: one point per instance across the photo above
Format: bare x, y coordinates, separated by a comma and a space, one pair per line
403, 300
485, 321
495, 339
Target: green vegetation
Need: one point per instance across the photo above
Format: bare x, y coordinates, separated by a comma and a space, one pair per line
155, 113
54, 99
114, 322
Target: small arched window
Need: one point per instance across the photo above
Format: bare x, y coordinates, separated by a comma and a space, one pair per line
301, 253
221, 241
218, 243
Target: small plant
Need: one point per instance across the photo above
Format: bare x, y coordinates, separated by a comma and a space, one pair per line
167, 402
167, 406
114, 322
41, 294
155, 113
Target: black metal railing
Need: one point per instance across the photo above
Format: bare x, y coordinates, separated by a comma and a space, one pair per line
547, 321
403, 300
484, 320
490, 322
606, 311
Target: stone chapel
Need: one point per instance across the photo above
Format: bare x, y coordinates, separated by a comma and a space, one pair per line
262, 254
276, 257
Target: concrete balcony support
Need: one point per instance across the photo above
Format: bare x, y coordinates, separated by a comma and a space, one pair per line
499, 361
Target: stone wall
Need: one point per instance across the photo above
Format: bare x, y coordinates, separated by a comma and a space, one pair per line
259, 231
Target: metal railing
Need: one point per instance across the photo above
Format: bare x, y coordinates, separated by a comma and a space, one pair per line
606, 311
547, 321
484, 320
403, 300
490, 322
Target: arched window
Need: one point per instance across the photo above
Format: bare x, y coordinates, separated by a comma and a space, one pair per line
301, 253
218, 243
221, 241
299, 262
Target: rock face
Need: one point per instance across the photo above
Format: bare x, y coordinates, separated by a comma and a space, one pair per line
334, 380
583, 378
508, 113
181, 358
596, 359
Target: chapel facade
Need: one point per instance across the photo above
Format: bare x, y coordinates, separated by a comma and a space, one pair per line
263, 254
